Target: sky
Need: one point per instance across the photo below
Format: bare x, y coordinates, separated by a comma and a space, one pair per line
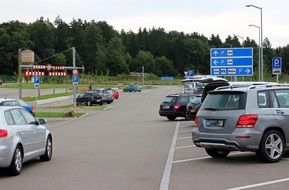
207, 17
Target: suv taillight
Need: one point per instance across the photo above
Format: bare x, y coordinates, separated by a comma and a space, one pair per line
177, 106
196, 121
3, 133
247, 121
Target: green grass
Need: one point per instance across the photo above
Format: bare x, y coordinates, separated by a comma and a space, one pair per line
48, 96
94, 107
55, 114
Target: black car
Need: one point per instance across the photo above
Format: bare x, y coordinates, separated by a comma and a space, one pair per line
107, 95
175, 105
89, 98
192, 108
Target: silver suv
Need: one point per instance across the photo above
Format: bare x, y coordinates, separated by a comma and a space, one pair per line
254, 118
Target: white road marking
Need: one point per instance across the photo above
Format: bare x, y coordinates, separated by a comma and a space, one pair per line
185, 131
62, 123
192, 159
201, 158
180, 138
186, 126
190, 146
168, 168
260, 184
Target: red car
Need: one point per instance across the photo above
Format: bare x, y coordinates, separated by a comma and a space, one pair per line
115, 94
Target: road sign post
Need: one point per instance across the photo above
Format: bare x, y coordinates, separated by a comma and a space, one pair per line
231, 62
276, 67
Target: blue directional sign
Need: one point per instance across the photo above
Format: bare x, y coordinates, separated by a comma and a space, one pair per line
231, 61
75, 80
276, 65
36, 80
232, 71
231, 52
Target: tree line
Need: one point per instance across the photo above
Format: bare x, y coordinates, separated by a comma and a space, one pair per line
104, 51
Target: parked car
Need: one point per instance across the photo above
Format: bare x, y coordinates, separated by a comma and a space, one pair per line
132, 88
89, 98
175, 105
191, 108
251, 118
114, 92
107, 95
17, 102
22, 138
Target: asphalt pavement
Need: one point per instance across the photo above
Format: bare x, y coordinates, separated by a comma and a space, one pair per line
129, 146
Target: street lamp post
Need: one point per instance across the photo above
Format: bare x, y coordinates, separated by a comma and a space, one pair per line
259, 69
242, 46
261, 39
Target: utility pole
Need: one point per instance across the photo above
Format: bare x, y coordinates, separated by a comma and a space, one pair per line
142, 69
74, 86
19, 74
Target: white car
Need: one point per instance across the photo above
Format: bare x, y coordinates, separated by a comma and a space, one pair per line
22, 138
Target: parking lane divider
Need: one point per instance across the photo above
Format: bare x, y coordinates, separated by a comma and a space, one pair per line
190, 146
260, 184
180, 138
168, 168
185, 131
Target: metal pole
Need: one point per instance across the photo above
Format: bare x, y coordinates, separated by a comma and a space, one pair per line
262, 63
142, 75
74, 87
277, 78
259, 61
19, 74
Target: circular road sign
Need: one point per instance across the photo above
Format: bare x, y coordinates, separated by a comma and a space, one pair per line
74, 71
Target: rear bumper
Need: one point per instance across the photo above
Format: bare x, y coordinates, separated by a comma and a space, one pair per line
172, 113
5, 156
240, 139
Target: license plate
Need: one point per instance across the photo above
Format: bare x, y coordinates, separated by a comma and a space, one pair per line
213, 123
166, 107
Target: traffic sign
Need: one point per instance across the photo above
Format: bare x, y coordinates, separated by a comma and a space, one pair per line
74, 71
232, 71
75, 80
190, 73
36, 81
276, 65
231, 61
231, 52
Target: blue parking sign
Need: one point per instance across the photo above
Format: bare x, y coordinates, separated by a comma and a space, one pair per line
75, 80
36, 80
276, 65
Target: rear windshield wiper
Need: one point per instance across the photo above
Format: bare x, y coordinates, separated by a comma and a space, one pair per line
213, 109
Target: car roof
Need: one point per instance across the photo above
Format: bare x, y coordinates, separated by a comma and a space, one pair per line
204, 79
4, 108
7, 99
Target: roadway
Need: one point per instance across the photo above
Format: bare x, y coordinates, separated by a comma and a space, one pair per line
129, 146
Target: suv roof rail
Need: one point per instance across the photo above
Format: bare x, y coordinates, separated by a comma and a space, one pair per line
267, 86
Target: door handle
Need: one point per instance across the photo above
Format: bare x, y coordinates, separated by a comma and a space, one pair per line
279, 111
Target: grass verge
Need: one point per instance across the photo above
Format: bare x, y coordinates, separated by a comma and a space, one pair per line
48, 96
56, 114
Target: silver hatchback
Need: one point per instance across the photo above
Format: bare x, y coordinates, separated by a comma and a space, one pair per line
22, 138
251, 118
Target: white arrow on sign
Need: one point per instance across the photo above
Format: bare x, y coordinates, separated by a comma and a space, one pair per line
215, 61
215, 53
247, 70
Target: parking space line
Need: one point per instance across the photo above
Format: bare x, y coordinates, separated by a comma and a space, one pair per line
259, 184
168, 168
181, 147
191, 159
185, 131
180, 138
185, 126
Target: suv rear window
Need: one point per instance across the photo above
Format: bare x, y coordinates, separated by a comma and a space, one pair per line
226, 100
170, 99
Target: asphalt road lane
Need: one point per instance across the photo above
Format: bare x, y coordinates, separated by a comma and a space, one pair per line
124, 147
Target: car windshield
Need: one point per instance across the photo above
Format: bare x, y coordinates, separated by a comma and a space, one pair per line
225, 101
22, 103
170, 99
196, 100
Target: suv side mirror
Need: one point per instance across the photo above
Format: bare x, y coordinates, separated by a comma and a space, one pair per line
42, 121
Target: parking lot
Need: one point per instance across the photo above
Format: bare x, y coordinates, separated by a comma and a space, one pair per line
129, 146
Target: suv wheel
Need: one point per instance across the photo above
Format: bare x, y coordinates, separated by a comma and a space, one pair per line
271, 147
171, 118
217, 153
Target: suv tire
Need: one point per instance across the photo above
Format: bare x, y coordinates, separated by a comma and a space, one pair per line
217, 153
272, 140
16, 163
